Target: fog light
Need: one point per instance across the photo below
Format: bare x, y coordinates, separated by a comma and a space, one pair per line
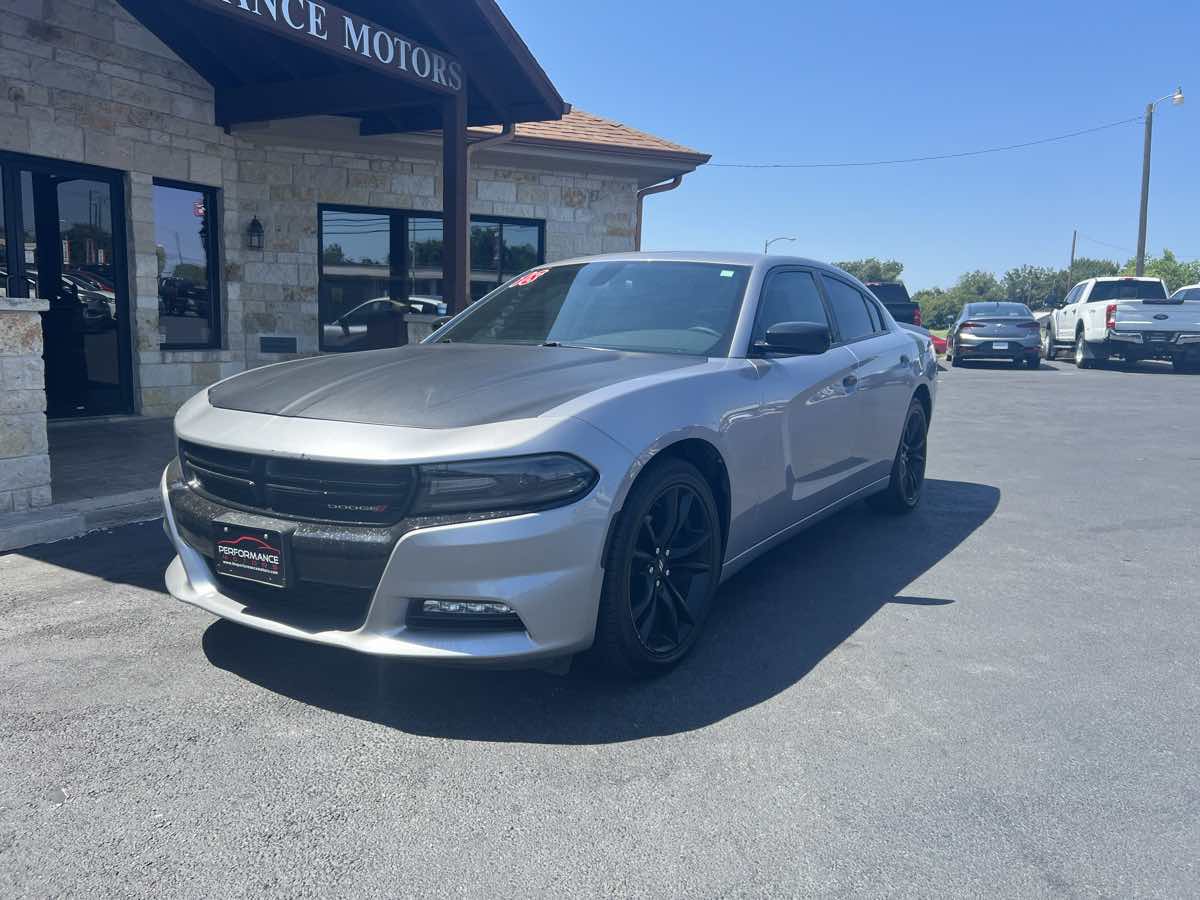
465, 607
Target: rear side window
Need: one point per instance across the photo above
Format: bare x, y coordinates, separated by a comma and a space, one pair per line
850, 310
1127, 289
789, 297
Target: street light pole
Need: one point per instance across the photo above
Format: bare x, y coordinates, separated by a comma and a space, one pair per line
1177, 99
767, 244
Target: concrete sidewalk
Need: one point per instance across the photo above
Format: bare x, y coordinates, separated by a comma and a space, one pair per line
104, 473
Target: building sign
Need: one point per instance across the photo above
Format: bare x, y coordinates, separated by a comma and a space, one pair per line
330, 28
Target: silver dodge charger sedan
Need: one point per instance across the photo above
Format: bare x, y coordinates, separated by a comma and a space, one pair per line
575, 462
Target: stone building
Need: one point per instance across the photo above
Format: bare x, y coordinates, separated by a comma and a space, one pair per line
194, 188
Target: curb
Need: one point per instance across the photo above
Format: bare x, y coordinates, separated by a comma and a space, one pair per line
70, 520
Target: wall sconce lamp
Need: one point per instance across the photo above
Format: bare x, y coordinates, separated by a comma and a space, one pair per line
255, 235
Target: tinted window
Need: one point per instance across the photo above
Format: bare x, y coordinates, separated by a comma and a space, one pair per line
1127, 289
1187, 294
850, 310
657, 307
789, 297
184, 239
1001, 310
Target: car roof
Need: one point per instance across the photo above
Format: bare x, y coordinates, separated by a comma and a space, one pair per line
728, 258
1125, 278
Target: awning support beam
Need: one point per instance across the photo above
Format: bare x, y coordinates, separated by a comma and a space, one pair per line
456, 218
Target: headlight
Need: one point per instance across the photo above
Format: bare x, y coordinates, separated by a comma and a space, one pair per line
520, 484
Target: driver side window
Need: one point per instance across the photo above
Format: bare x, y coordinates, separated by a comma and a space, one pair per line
789, 296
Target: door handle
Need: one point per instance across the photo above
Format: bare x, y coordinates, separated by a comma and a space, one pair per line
850, 381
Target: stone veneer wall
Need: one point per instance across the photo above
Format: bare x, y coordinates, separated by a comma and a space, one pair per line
80, 80
24, 457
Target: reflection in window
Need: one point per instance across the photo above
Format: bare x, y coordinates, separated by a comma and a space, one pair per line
425, 259
356, 308
485, 258
365, 289
184, 239
522, 248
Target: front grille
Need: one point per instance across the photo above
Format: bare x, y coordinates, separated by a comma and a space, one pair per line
353, 493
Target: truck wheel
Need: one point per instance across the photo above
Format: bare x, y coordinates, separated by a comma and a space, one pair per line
1048, 349
1083, 359
1181, 363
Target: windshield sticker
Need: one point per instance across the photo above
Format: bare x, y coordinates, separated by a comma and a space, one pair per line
727, 273
530, 278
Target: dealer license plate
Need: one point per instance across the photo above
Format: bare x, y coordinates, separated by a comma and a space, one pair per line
999, 345
250, 554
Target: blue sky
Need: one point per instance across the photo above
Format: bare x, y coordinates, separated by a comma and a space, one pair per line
769, 81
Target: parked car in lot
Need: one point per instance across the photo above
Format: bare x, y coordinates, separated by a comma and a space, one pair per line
1127, 317
995, 330
1188, 292
576, 461
894, 295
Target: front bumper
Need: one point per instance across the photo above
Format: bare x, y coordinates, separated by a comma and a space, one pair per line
546, 566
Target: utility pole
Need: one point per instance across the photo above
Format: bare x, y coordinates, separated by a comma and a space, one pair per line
1141, 245
1177, 99
1071, 268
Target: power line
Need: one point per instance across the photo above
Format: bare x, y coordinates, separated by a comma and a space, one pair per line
1088, 237
940, 156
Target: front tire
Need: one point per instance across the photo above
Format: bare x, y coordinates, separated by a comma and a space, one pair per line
661, 573
1048, 349
907, 484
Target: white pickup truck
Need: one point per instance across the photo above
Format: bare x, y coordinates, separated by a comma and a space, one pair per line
1127, 317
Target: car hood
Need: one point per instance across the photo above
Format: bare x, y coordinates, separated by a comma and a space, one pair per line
436, 385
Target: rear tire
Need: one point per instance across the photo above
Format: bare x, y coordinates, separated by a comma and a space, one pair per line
955, 362
907, 484
1033, 362
1180, 363
1082, 358
649, 618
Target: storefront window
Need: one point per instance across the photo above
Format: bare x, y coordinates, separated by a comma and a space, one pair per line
377, 265
185, 239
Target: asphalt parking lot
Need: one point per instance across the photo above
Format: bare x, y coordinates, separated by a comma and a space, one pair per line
997, 696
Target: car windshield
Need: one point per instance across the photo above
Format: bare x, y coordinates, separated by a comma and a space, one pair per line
637, 305
1001, 310
1127, 289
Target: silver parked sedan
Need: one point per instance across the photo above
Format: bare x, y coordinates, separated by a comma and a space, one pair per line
995, 330
578, 460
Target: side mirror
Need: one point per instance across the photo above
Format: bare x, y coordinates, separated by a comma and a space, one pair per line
807, 338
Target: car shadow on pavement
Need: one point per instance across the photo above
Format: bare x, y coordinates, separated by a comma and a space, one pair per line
774, 622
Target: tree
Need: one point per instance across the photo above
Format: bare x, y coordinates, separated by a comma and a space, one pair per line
938, 307
1169, 268
978, 285
1085, 267
333, 254
1038, 287
872, 269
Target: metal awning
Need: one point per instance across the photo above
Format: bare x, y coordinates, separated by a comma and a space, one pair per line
392, 65
388, 63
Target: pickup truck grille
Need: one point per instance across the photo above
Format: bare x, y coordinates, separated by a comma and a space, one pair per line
300, 489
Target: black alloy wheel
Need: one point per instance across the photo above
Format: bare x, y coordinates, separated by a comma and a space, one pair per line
662, 573
904, 490
670, 570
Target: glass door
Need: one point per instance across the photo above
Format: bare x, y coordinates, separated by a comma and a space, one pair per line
69, 253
